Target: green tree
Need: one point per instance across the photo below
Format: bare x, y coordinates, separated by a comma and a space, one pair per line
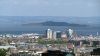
3, 52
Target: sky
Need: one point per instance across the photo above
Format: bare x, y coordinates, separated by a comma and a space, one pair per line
79, 8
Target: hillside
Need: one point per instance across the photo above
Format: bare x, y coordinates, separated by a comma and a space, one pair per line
52, 23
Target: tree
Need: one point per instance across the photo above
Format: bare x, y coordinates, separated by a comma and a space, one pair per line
3, 52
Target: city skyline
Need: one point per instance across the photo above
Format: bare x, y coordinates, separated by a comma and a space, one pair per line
49, 27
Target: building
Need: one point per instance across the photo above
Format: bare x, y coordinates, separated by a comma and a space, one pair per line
71, 32
7, 47
49, 34
56, 34
64, 36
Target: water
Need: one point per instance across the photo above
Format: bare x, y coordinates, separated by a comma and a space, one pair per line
42, 29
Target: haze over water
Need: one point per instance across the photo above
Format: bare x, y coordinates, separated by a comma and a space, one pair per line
13, 24
42, 29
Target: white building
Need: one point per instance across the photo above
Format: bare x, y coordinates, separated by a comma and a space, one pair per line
49, 34
6, 47
54, 35
71, 32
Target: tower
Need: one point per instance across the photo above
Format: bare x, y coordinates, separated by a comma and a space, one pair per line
49, 34
71, 32
56, 34
97, 33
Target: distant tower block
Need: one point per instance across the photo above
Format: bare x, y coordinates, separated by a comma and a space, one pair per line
58, 34
71, 32
97, 33
91, 43
81, 43
49, 34
54, 35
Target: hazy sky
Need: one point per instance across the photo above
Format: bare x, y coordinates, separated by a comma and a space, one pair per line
82, 8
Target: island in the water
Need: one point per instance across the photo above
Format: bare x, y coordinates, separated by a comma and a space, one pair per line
53, 23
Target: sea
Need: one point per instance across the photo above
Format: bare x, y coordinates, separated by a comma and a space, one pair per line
42, 29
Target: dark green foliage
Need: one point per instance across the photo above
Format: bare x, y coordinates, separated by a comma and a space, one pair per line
3, 52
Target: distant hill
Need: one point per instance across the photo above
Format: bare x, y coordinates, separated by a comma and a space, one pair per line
19, 20
52, 23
